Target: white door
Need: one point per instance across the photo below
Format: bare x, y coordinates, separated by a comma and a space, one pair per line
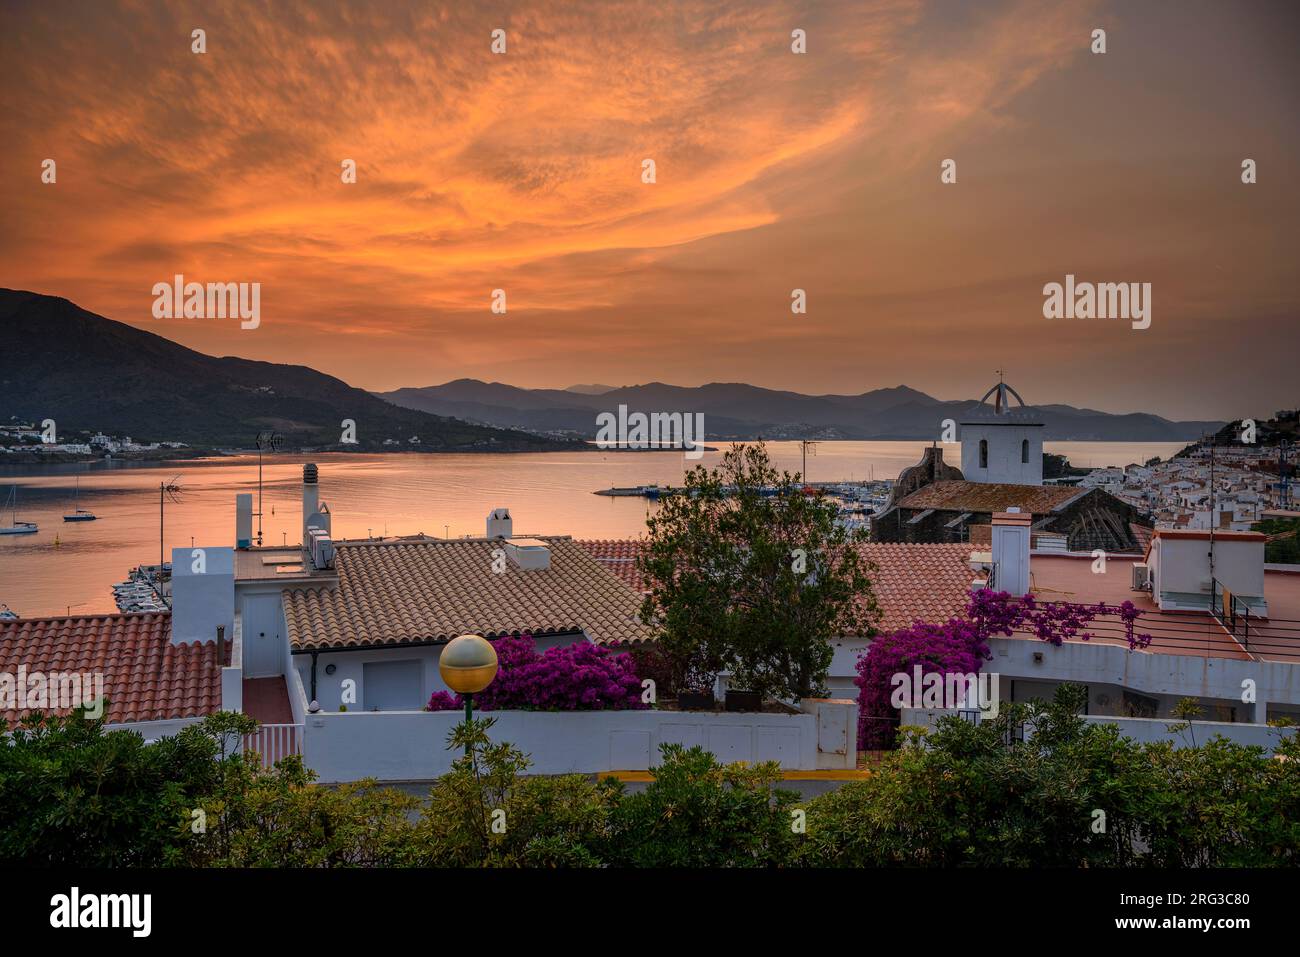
263, 639
392, 686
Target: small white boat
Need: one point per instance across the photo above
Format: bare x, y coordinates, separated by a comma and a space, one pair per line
16, 527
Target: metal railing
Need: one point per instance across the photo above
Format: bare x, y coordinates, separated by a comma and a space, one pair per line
1231, 612
1202, 633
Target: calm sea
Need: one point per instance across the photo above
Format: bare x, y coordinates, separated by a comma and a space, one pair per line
70, 567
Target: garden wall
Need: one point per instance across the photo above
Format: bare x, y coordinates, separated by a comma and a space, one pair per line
412, 745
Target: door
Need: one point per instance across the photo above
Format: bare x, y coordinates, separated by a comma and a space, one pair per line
392, 686
263, 637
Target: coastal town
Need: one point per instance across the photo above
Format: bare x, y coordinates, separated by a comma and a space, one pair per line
809, 450
31, 442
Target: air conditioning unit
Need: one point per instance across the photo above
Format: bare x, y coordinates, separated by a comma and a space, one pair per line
1141, 576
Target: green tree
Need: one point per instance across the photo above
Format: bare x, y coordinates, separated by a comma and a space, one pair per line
747, 572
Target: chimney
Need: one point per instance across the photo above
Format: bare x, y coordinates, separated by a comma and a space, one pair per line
310, 499
499, 524
1011, 551
317, 546
244, 520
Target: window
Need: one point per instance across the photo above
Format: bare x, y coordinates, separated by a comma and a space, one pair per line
1024, 451
984, 453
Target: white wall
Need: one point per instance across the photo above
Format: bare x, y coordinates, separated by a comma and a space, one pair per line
412, 745
1004, 453
1180, 676
153, 730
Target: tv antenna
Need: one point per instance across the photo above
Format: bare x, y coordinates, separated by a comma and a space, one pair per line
266, 442
807, 444
169, 491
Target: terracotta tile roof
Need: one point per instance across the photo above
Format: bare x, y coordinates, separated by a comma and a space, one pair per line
919, 582
146, 677
910, 581
1142, 535
987, 497
408, 592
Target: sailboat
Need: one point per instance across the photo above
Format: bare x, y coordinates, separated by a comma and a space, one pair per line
80, 514
17, 527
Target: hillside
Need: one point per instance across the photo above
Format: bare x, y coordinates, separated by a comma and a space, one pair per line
87, 372
739, 411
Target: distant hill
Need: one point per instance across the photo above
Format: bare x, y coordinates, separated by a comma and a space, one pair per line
84, 371
590, 389
1282, 427
738, 411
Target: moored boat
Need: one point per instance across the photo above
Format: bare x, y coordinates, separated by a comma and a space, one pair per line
79, 514
16, 527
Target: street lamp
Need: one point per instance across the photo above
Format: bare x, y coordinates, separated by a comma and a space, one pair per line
467, 665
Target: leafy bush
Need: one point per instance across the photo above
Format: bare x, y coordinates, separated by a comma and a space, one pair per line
485, 813
74, 794
1065, 793
699, 813
1070, 794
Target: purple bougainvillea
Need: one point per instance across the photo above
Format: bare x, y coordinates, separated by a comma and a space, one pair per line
576, 677
960, 646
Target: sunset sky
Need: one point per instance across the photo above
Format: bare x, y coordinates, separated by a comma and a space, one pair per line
775, 171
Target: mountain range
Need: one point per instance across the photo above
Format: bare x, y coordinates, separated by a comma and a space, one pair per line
86, 372
59, 361
738, 411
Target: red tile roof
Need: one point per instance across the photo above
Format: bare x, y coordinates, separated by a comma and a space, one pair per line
145, 676
927, 582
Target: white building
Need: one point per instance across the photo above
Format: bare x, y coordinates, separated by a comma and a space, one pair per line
999, 444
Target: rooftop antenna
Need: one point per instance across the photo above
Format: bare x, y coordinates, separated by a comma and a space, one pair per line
266, 442
1284, 473
1213, 519
169, 491
806, 444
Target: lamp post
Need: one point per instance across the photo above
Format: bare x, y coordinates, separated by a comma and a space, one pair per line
467, 665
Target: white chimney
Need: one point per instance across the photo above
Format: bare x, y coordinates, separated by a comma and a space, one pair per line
1011, 551
499, 524
310, 499
244, 520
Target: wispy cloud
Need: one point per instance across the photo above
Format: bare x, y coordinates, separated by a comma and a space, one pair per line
522, 171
